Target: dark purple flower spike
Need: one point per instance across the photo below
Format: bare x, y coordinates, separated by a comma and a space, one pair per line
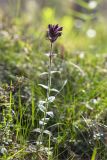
54, 31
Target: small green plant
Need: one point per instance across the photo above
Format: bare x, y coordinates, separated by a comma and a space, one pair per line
54, 31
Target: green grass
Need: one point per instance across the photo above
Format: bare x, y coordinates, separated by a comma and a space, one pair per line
79, 125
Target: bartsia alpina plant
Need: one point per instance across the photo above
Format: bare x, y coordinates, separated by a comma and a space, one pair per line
54, 31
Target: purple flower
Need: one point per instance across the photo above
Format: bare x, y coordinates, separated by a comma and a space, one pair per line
54, 31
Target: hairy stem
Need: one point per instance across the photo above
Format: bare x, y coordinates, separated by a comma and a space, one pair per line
49, 72
48, 93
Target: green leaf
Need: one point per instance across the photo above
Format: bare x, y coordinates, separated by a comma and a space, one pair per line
94, 154
43, 86
51, 99
65, 82
42, 123
37, 130
50, 114
41, 106
54, 90
52, 72
47, 132
44, 73
45, 119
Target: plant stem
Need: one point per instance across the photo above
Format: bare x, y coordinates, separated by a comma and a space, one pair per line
49, 72
48, 93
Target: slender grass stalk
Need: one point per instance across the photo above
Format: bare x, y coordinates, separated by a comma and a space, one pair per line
10, 107
33, 106
14, 7
18, 7
20, 104
49, 147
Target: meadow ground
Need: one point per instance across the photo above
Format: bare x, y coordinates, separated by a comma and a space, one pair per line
71, 124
